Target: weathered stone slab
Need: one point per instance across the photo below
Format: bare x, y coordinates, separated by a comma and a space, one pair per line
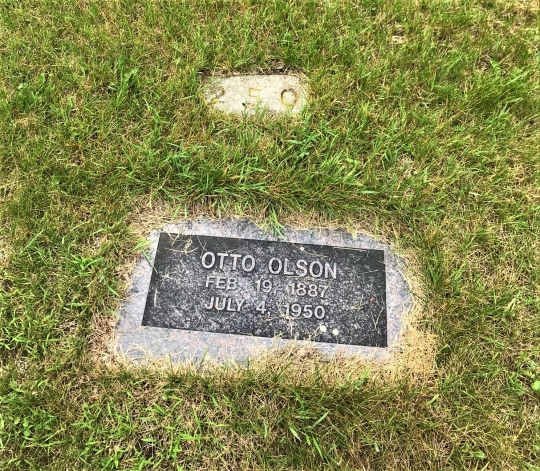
253, 93
226, 289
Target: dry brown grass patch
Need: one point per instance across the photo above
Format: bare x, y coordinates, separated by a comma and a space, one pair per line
413, 356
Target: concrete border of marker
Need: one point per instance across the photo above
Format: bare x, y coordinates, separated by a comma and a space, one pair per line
146, 344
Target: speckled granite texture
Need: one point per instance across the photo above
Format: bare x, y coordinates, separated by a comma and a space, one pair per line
138, 343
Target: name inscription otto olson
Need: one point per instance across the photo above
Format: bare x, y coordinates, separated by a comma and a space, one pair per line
267, 289
276, 266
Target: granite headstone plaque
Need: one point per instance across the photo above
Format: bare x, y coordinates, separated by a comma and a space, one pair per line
226, 289
268, 289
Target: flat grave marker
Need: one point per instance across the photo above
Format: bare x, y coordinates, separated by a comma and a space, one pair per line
226, 289
268, 289
247, 94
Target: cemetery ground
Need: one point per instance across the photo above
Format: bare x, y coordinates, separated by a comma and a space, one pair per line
423, 128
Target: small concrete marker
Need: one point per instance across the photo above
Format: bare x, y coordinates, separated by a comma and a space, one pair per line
227, 290
248, 94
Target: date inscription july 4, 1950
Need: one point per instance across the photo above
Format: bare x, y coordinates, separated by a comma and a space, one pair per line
267, 289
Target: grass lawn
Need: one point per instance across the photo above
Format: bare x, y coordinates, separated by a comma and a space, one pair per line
423, 127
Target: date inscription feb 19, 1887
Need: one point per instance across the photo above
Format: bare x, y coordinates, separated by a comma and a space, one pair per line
268, 289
